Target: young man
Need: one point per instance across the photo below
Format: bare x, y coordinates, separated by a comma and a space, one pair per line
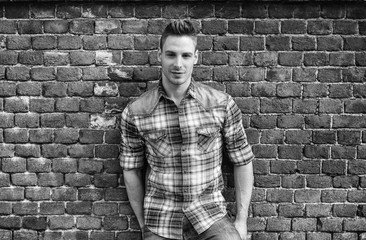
178, 131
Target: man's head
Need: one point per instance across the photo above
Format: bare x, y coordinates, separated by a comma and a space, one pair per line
179, 28
178, 53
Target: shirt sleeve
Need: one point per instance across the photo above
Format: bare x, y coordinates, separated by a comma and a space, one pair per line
236, 143
132, 153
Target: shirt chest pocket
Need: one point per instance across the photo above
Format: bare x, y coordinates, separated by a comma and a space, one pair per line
158, 144
208, 138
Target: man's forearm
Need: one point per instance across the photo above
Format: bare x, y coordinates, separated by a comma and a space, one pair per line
243, 178
135, 191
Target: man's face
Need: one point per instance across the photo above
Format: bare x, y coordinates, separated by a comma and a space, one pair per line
177, 58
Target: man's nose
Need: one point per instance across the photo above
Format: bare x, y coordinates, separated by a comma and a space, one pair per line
178, 62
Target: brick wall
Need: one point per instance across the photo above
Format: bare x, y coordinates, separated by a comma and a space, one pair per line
297, 71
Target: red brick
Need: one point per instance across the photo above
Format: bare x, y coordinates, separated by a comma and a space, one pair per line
27, 150
316, 59
353, 75
222, 43
8, 57
134, 26
44, 42
278, 43
4, 180
43, 73
115, 223
315, 90
358, 225
304, 224
39, 165
64, 165
10, 222
15, 135
35, 223
64, 194
79, 208
52, 208
61, 222
279, 195
18, 73
304, 75
293, 27
148, 11
25, 208
37, 193
68, 11
326, 43
265, 59
56, 59
78, 180
357, 196
293, 236
291, 210
16, 104
14, 165
278, 224
276, 105
81, 151
69, 42
50, 179
29, 89
56, 26
240, 26
267, 27
53, 120
270, 181
318, 181
264, 210
94, 42
82, 26
8, 27
324, 137
345, 210
110, 26
120, 42
7, 89
94, 10
30, 27
54, 150
82, 58
80, 120
11, 194
294, 152
240, 59
213, 27
83, 89
307, 196
67, 105
330, 196
345, 181
318, 210
288, 90
88, 223
121, 11
303, 43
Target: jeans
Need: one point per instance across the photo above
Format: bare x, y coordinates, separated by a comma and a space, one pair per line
221, 230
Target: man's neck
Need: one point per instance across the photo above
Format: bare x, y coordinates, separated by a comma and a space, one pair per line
176, 92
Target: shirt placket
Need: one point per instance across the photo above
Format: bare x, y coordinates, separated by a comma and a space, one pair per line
184, 128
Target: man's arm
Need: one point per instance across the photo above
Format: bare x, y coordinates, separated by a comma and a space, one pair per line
243, 178
135, 190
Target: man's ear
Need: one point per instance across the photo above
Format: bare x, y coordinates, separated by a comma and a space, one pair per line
196, 56
159, 55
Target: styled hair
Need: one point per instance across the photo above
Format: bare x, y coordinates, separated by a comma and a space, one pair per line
179, 28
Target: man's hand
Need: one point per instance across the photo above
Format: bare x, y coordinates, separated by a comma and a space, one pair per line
241, 227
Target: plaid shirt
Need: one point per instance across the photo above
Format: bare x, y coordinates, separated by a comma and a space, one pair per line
183, 147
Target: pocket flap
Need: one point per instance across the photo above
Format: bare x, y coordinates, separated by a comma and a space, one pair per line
208, 131
156, 135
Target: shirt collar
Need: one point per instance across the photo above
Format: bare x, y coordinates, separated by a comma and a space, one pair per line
191, 89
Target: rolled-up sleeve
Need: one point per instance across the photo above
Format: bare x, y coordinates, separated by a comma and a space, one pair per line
236, 143
132, 155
